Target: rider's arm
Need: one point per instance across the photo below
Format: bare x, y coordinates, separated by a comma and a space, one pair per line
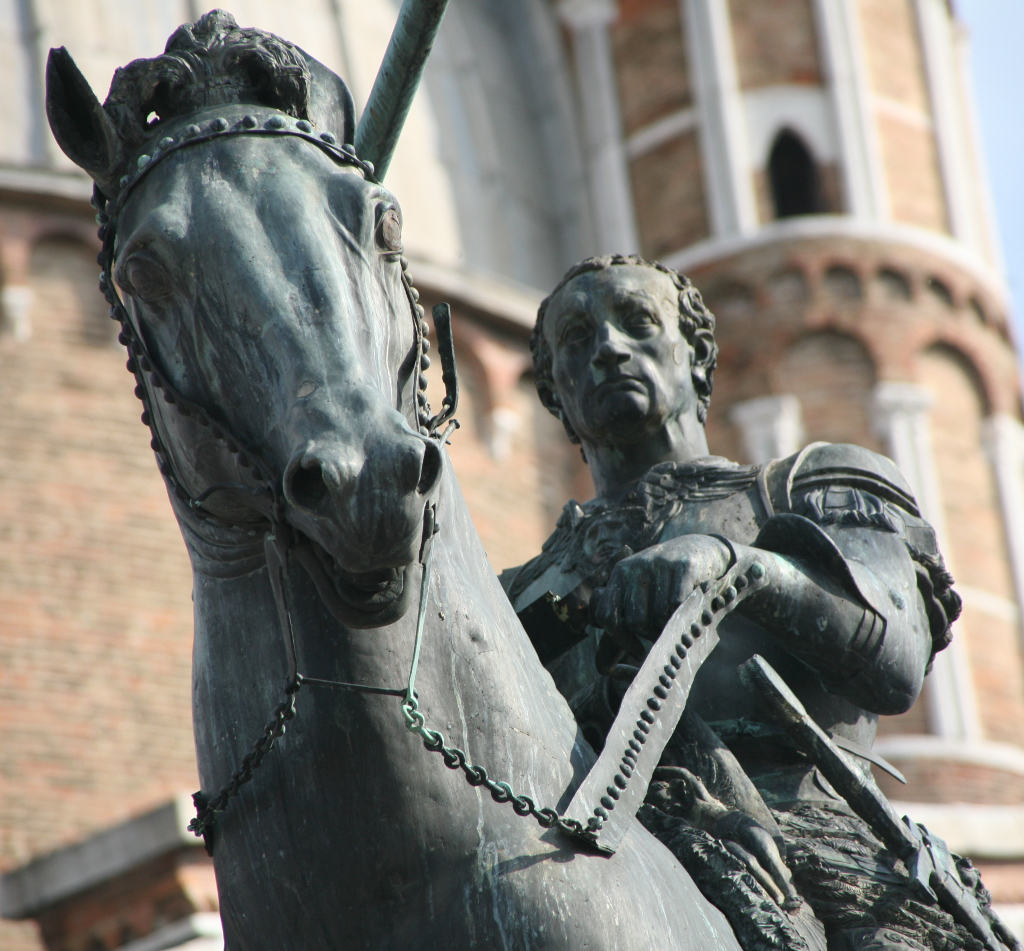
864, 631
860, 593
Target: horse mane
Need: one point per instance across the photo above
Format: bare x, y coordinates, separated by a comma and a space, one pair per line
211, 62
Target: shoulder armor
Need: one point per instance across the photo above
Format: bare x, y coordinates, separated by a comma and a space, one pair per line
823, 464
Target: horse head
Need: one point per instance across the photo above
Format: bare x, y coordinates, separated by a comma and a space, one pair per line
255, 264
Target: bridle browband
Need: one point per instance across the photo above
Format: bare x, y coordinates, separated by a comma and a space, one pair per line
141, 364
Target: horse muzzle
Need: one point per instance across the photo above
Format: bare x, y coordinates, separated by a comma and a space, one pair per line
360, 512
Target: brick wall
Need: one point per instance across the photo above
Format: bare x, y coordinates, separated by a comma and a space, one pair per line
668, 194
903, 113
650, 61
832, 374
135, 904
893, 52
95, 609
775, 42
912, 173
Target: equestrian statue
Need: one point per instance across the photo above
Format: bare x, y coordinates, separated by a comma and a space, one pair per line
385, 762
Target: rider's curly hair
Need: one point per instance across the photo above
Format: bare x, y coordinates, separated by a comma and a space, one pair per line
693, 316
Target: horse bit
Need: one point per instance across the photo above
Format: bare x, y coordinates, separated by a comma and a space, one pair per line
280, 538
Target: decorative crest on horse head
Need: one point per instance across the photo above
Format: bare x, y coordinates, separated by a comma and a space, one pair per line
213, 62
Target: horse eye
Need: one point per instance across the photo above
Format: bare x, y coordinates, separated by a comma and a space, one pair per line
389, 230
145, 278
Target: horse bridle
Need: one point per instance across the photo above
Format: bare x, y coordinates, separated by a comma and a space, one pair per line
140, 363
279, 540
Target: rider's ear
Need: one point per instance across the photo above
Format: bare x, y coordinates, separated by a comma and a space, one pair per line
80, 125
704, 348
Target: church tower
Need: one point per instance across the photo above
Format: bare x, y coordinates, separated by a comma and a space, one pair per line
814, 167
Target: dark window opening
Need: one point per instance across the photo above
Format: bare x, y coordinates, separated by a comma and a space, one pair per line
794, 177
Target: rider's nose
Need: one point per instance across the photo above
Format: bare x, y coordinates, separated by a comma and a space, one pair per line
611, 353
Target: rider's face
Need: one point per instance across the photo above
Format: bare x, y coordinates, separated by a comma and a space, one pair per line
621, 365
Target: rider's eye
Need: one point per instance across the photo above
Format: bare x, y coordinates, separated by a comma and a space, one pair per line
389, 230
575, 331
640, 321
142, 277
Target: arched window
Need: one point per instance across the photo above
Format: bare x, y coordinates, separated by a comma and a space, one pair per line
793, 176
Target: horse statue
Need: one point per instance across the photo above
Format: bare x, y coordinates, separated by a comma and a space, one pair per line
255, 263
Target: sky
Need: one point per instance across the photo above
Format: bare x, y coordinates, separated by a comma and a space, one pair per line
996, 30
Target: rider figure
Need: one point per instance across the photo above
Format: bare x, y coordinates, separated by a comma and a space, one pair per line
857, 605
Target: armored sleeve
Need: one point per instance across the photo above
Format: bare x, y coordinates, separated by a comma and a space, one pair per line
868, 600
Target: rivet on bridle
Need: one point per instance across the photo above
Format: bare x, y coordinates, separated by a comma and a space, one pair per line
275, 122
219, 124
249, 122
303, 126
328, 138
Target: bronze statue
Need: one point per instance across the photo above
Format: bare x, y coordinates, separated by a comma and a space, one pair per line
345, 611
856, 605
254, 261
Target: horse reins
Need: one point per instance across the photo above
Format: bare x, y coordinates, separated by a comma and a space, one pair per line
280, 539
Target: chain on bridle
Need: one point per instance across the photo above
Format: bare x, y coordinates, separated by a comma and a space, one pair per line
279, 536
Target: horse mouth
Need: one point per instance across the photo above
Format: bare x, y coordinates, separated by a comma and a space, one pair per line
358, 599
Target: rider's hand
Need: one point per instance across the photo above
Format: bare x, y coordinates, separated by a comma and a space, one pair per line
677, 791
644, 590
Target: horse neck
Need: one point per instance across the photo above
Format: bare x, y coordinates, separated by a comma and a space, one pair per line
479, 680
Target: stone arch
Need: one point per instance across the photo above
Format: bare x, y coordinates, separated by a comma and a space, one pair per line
976, 544
842, 283
833, 375
731, 301
968, 365
793, 176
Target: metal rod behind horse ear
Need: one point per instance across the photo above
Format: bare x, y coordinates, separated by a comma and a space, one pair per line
396, 83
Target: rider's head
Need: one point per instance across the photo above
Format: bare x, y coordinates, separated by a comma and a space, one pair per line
620, 346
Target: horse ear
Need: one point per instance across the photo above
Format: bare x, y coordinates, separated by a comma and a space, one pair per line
79, 123
331, 107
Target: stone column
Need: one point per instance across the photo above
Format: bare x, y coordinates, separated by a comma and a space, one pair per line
901, 420
771, 427
608, 172
951, 133
728, 175
1005, 439
840, 41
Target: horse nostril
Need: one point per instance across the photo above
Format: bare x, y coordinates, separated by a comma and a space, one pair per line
430, 469
307, 487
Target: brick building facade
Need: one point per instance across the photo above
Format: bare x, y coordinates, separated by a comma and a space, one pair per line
811, 164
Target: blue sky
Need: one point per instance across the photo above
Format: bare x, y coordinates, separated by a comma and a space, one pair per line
996, 29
